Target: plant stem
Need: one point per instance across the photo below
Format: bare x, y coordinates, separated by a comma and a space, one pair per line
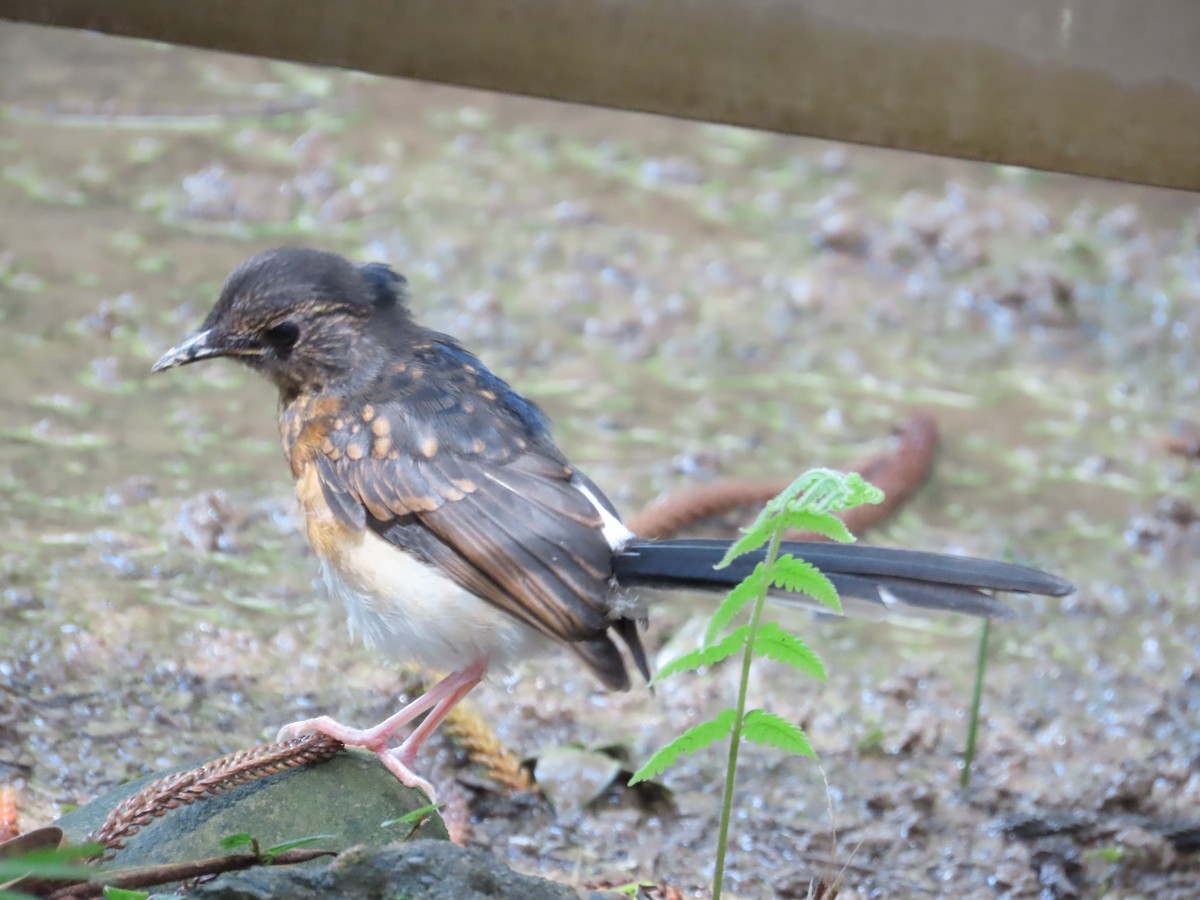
976, 701
735, 738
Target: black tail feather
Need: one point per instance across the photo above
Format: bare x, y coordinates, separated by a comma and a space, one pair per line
883, 576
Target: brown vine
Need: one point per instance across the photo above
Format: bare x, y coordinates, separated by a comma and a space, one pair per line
899, 473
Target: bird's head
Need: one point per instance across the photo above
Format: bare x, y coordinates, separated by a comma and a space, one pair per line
304, 318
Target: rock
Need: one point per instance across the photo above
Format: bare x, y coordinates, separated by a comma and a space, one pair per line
572, 777
418, 870
211, 522
349, 798
842, 230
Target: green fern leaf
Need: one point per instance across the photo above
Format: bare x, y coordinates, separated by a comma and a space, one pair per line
822, 490
822, 523
695, 738
774, 642
817, 493
859, 492
753, 537
741, 594
705, 656
793, 574
767, 728
827, 490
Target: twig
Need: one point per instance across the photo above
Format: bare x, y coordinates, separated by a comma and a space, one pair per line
167, 873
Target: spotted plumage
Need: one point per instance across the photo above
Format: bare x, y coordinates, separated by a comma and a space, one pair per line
448, 520
457, 469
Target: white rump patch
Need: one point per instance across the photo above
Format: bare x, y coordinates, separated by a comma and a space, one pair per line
615, 531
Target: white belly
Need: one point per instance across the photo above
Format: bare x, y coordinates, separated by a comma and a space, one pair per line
411, 612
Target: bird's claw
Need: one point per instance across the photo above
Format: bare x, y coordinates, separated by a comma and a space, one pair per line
397, 760
406, 776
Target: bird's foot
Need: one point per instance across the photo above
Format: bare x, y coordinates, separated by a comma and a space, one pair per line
391, 759
373, 739
437, 701
397, 760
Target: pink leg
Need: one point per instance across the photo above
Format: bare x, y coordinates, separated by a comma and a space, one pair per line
407, 751
441, 698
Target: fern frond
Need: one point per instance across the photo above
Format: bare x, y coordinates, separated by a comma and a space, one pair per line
695, 738
767, 728
794, 574
705, 656
782, 646
824, 523
741, 594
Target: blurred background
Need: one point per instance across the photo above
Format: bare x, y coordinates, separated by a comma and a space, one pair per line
687, 302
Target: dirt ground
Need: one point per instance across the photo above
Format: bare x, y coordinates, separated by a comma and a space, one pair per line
687, 302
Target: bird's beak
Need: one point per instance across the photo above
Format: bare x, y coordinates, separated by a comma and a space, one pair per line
204, 345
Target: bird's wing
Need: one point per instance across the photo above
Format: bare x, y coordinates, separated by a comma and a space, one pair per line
450, 464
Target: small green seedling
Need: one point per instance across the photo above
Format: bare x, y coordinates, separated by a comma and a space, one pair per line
267, 856
414, 818
116, 893
809, 503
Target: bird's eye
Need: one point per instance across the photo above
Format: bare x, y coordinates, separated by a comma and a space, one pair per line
282, 336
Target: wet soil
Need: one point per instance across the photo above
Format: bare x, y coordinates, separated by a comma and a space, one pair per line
687, 302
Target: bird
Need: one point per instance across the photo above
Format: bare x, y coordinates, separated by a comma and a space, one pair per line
446, 518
